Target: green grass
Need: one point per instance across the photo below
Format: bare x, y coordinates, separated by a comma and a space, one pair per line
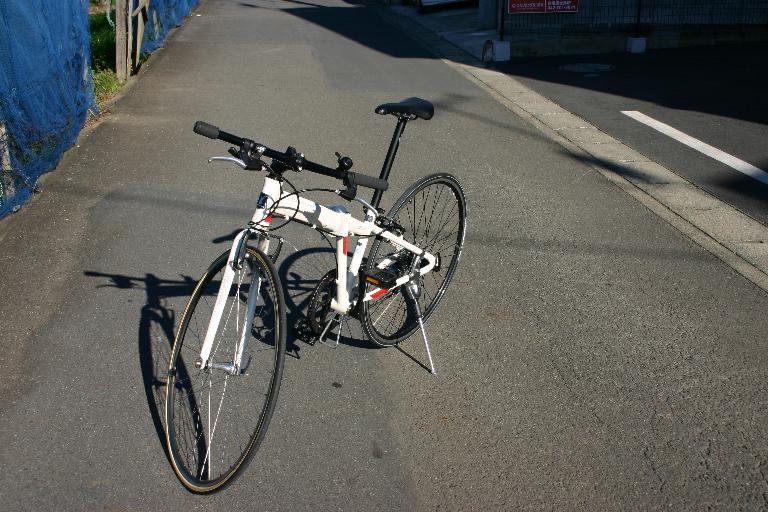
105, 86
105, 82
102, 42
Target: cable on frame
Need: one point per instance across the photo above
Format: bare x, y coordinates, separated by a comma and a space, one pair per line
288, 220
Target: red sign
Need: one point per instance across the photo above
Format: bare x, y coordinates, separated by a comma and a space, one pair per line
528, 6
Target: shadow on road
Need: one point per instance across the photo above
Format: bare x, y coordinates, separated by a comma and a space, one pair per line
679, 78
158, 319
298, 291
722, 80
157, 324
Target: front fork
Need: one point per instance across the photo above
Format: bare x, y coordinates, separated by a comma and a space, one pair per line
235, 262
236, 259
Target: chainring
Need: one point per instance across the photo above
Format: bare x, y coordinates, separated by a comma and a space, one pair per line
319, 311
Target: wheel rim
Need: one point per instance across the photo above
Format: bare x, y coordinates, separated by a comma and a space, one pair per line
434, 218
215, 419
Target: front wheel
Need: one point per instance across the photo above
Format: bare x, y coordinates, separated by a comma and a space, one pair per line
216, 417
433, 213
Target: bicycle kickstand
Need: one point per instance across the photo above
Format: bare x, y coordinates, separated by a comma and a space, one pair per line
336, 317
413, 292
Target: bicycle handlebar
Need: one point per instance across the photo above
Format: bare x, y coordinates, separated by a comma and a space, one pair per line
295, 160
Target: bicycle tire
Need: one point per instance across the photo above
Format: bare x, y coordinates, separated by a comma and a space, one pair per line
212, 435
433, 212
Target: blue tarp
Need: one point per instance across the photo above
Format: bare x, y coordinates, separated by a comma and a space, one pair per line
45, 89
163, 16
45, 82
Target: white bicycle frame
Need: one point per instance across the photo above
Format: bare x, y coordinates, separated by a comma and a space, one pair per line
274, 202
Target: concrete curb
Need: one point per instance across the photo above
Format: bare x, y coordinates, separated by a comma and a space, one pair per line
735, 238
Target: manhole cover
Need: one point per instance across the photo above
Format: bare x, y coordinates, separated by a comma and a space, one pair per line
587, 67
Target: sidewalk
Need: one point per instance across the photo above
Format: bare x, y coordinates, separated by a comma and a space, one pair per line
457, 26
737, 239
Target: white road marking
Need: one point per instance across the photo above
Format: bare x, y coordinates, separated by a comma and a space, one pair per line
711, 151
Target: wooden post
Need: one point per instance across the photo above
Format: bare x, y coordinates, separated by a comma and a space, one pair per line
129, 53
141, 13
121, 41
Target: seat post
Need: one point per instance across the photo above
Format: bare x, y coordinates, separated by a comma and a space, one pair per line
393, 145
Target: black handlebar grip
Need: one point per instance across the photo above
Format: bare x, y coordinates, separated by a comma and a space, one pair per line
206, 130
370, 182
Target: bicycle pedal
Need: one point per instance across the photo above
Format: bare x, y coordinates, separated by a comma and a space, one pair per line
381, 277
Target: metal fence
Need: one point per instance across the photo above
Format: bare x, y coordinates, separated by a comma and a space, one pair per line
617, 15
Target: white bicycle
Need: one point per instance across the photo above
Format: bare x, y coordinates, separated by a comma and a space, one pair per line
227, 359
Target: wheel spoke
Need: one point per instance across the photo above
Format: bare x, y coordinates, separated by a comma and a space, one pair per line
385, 310
433, 213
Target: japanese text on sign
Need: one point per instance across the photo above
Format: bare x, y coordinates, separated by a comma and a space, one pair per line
529, 6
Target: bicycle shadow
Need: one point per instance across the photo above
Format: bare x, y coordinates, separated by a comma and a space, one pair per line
158, 318
298, 292
156, 330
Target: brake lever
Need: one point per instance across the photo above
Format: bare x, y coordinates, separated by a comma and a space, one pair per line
228, 159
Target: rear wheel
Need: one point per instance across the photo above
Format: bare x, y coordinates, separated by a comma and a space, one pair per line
433, 213
216, 417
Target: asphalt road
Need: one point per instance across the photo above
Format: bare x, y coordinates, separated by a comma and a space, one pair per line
590, 357
714, 94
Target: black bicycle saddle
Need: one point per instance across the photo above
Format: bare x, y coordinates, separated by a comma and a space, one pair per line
411, 106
